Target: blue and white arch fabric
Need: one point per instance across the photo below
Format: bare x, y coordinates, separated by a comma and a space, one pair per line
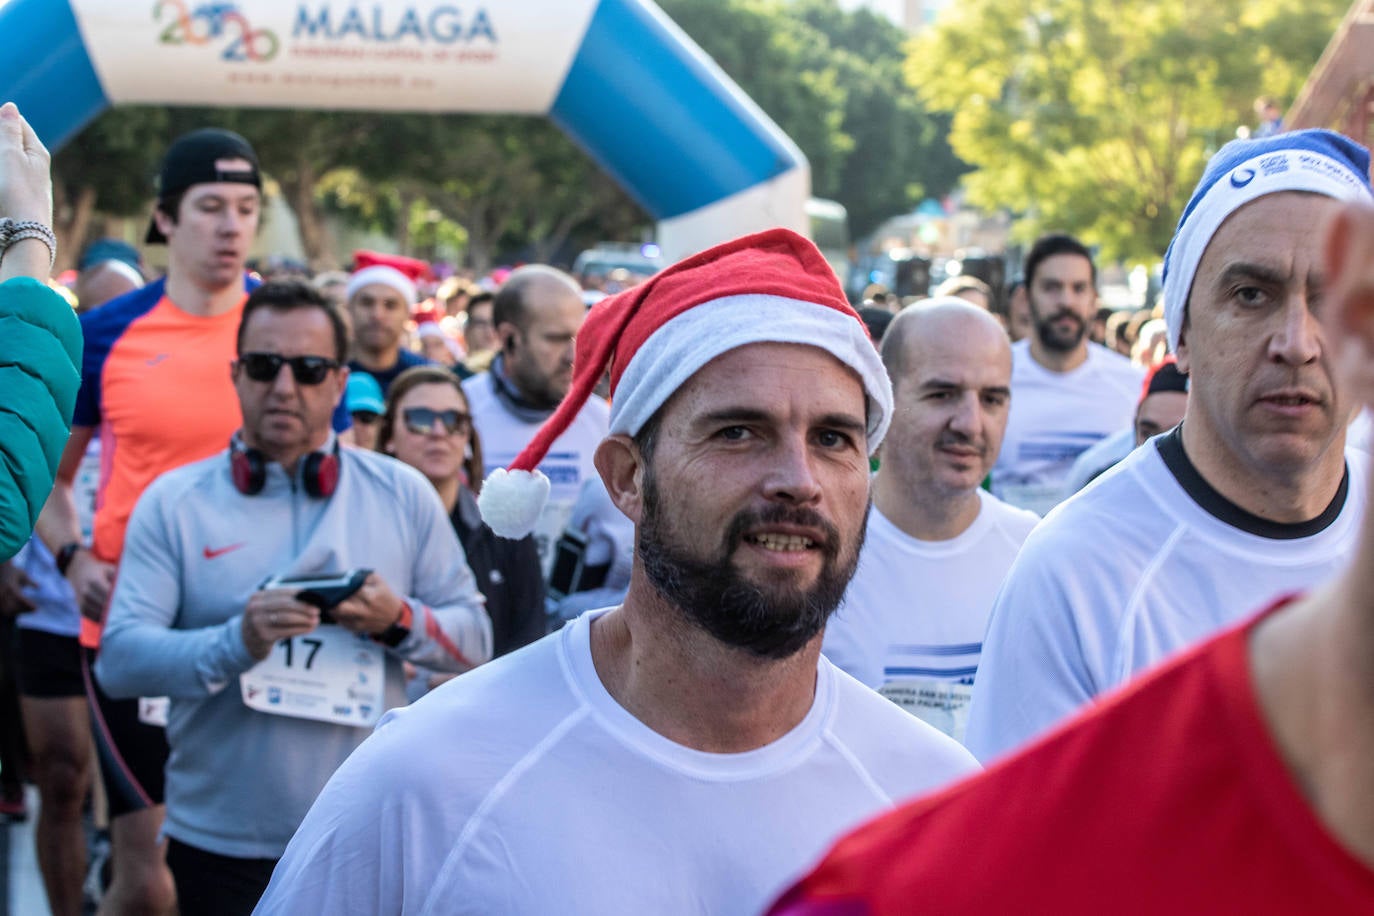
620, 78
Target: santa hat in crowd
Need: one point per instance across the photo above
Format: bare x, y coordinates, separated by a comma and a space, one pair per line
1318, 161
1163, 376
392, 270
770, 287
429, 329
414, 268
385, 276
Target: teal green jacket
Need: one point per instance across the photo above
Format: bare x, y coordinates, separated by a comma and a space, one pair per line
40, 372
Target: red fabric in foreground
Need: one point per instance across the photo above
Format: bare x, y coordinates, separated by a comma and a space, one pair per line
1169, 798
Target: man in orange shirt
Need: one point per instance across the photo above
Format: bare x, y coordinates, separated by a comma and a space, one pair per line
156, 386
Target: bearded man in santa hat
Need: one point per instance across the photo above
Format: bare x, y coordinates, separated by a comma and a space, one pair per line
690, 750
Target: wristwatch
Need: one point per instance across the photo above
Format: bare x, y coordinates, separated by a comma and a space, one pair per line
65, 554
395, 634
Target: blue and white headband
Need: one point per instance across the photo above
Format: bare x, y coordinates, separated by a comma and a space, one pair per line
1318, 161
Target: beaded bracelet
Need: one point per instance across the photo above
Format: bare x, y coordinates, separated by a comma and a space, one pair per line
12, 231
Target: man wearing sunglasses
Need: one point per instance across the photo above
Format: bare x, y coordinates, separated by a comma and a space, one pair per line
287, 677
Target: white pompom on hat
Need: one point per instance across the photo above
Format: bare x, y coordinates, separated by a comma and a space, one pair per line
770, 287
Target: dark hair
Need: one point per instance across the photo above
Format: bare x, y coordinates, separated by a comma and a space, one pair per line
286, 295
482, 298
413, 378
646, 440
509, 305
876, 321
171, 204
1047, 246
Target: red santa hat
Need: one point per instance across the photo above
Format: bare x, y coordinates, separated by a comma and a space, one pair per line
770, 287
414, 268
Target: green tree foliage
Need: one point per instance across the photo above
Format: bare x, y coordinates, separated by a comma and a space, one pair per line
785, 65
1099, 118
107, 172
832, 80
507, 182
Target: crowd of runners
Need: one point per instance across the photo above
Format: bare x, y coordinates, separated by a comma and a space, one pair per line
383, 592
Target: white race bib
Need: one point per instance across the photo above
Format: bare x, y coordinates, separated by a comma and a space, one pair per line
153, 710
549, 528
328, 674
941, 703
1039, 498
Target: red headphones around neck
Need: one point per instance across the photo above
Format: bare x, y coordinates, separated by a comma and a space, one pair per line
248, 468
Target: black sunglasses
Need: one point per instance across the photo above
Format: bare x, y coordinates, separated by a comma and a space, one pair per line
306, 370
420, 420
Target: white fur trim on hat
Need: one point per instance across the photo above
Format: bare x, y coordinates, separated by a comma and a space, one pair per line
510, 501
1267, 173
675, 351
386, 276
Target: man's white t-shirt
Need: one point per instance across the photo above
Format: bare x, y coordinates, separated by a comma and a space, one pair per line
912, 622
1055, 417
523, 787
569, 461
1124, 574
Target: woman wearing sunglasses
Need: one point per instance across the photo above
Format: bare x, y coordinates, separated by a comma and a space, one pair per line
428, 426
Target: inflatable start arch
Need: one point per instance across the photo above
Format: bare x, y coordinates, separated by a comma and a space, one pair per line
616, 75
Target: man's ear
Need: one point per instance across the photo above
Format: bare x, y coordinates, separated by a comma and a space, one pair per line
1182, 355
165, 224
506, 333
621, 466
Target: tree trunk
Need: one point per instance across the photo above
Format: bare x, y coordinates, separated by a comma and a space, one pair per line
71, 222
316, 239
478, 253
405, 197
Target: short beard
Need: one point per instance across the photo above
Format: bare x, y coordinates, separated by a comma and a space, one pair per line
1051, 339
768, 622
536, 391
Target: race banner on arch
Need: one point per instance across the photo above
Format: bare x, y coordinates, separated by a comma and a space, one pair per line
508, 57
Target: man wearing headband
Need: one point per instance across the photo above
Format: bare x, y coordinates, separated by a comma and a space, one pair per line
1235, 779
1252, 497
690, 750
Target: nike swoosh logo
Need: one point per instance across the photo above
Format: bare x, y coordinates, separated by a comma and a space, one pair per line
212, 554
157, 359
